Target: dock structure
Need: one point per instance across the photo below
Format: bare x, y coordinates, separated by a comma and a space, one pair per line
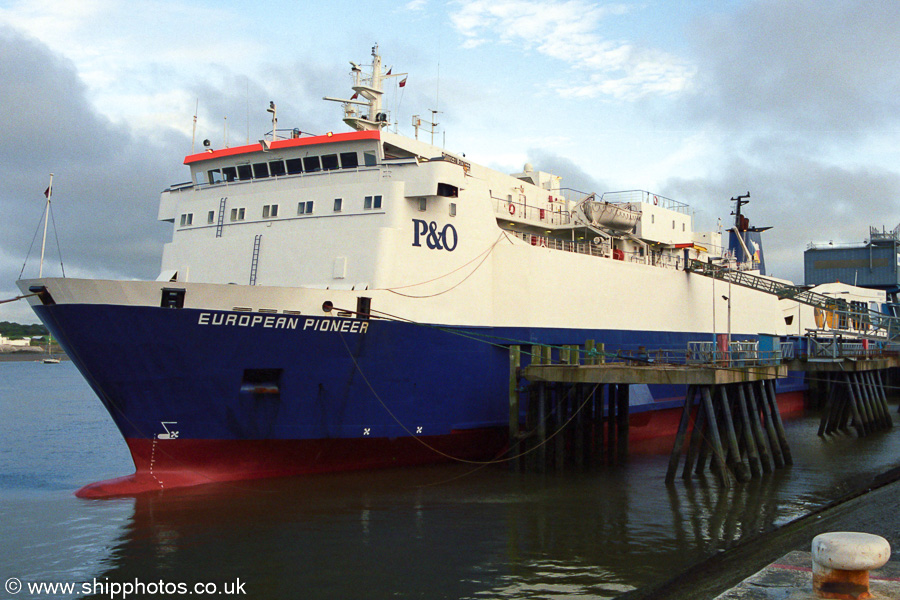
578, 411
851, 391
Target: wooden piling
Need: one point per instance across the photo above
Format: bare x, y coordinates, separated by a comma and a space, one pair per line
515, 354
756, 470
769, 385
680, 434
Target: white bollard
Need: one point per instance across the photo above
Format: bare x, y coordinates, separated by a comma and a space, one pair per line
841, 562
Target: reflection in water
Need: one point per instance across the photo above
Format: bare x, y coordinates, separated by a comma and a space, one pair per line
431, 532
447, 532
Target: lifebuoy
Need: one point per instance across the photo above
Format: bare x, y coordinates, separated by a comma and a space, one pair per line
655, 201
512, 208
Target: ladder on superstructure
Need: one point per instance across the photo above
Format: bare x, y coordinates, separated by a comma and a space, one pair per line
221, 222
882, 326
254, 262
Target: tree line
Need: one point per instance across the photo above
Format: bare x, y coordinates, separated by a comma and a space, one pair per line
17, 330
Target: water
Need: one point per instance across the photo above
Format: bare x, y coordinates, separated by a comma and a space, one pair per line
447, 531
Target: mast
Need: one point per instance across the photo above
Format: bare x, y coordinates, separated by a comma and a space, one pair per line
49, 192
371, 88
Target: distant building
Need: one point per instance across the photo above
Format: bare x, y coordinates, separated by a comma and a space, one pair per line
872, 264
5, 341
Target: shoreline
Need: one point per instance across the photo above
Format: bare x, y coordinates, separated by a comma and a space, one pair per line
28, 356
871, 506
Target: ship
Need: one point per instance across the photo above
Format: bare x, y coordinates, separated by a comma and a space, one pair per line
347, 300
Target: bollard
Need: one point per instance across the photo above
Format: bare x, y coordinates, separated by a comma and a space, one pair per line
841, 562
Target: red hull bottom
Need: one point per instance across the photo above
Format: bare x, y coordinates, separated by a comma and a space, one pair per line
167, 464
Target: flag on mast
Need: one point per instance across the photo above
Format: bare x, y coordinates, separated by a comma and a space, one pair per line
48, 191
403, 82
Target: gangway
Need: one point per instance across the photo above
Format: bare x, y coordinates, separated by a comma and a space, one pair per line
870, 323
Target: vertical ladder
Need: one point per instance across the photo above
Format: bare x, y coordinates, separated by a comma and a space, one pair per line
221, 222
254, 263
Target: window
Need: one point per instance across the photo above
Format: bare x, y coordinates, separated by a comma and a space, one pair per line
172, 298
372, 203
652, 218
682, 226
261, 170
294, 165
229, 173
244, 172
447, 190
330, 162
187, 220
453, 209
276, 168
311, 164
337, 204
423, 204
369, 158
305, 208
210, 217
215, 176
270, 211
237, 214
349, 160
200, 177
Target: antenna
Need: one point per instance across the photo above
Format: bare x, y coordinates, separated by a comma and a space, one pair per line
225, 140
193, 133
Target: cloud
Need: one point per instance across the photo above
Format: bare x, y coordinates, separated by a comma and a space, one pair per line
569, 31
805, 200
107, 177
814, 67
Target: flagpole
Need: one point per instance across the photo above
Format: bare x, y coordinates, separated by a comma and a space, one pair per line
46, 218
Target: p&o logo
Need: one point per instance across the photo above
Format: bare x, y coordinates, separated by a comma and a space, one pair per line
443, 239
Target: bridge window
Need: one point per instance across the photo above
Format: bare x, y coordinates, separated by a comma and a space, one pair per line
311, 164
330, 162
369, 158
244, 172
349, 160
229, 173
261, 170
294, 165
215, 176
276, 168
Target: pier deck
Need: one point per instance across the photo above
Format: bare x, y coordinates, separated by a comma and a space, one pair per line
790, 577
653, 374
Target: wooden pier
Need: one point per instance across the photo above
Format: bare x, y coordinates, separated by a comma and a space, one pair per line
851, 392
578, 412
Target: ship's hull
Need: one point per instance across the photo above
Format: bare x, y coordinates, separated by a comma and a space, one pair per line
203, 396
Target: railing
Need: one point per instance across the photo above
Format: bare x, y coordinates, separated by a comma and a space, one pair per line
522, 211
638, 196
602, 249
863, 321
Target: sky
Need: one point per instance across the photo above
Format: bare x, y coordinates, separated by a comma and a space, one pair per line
794, 101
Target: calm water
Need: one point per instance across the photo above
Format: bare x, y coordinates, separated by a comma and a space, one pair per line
436, 532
